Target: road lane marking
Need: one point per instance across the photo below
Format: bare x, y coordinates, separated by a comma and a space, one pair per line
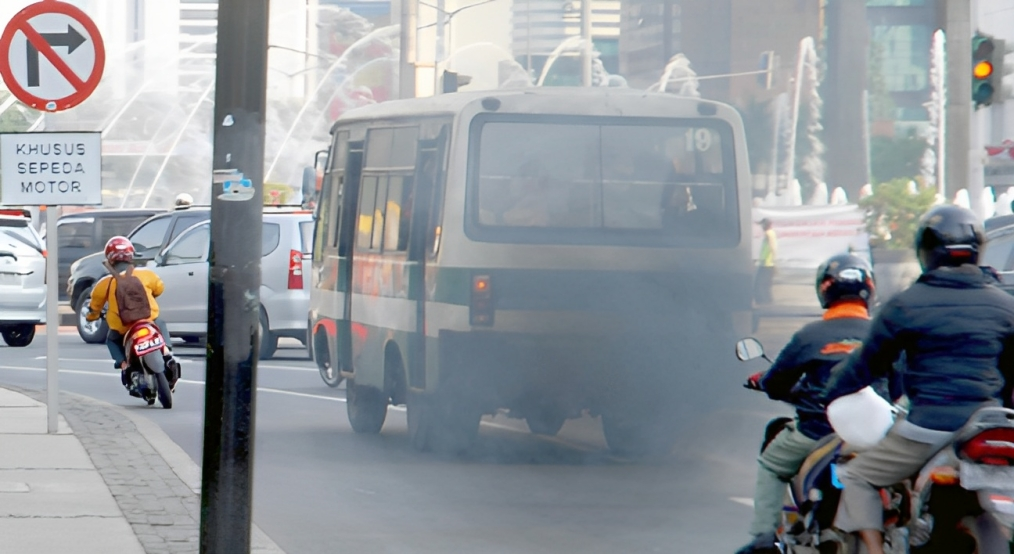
490, 424
301, 394
184, 358
283, 368
184, 381
741, 500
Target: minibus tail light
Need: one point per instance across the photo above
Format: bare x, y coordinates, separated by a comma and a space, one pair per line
481, 308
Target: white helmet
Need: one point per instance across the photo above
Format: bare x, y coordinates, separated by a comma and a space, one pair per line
184, 200
861, 419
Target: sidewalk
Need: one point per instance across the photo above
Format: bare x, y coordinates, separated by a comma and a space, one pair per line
107, 482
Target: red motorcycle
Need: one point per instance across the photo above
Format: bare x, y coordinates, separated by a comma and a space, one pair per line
146, 350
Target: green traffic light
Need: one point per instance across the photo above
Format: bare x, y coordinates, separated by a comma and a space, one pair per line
982, 93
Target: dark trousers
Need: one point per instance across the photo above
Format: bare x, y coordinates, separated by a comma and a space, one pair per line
763, 284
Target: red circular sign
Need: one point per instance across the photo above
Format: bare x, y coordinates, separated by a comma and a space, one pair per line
18, 84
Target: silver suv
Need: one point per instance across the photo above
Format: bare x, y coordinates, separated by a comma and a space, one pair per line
22, 278
285, 284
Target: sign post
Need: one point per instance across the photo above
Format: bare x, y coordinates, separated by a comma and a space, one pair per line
51, 59
52, 321
52, 170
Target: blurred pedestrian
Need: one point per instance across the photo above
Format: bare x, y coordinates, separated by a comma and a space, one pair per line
764, 281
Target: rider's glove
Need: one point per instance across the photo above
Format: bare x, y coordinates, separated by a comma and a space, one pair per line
93, 316
754, 382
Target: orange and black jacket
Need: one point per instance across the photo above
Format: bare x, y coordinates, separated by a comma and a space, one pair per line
803, 367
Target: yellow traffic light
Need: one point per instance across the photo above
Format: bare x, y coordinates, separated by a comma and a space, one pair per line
982, 70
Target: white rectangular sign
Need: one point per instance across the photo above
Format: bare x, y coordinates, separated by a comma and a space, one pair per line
808, 235
51, 169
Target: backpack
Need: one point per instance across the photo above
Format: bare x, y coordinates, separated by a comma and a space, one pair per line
131, 297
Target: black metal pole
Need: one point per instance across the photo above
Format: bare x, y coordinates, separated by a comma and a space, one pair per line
233, 296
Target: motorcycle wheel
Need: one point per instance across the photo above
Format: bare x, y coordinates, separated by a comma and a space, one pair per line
165, 393
162, 388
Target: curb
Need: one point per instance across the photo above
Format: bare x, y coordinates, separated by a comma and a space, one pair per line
185, 468
188, 472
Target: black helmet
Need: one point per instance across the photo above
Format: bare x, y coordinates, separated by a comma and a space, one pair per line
844, 277
949, 236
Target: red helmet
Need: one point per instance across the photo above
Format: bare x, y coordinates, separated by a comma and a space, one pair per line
119, 249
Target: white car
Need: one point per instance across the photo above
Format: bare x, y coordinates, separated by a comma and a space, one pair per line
285, 283
22, 278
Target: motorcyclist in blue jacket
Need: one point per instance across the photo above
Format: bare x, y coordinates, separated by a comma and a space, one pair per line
845, 287
955, 328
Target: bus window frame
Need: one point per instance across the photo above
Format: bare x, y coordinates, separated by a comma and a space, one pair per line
562, 236
348, 230
331, 195
383, 171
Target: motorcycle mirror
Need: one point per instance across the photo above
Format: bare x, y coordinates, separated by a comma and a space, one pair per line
749, 349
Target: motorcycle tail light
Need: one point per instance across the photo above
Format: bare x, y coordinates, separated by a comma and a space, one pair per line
991, 447
944, 476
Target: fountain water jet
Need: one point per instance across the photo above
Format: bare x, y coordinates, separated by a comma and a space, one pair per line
389, 32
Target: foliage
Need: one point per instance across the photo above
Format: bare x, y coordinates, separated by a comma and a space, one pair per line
13, 119
893, 212
896, 157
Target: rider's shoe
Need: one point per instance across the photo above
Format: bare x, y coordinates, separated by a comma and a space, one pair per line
761, 544
173, 371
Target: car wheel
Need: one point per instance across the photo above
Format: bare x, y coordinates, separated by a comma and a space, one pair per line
92, 332
18, 336
269, 341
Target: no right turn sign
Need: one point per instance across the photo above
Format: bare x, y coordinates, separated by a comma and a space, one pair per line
52, 56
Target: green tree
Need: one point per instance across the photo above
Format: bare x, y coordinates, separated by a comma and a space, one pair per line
896, 157
893, 212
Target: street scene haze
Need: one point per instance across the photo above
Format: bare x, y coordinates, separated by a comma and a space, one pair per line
507, 276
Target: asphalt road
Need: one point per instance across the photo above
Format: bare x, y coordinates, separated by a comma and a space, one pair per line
319, 487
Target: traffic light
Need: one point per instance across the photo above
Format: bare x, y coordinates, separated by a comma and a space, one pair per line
451, 81
987, 69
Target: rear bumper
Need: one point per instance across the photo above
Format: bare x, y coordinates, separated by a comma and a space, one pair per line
23, 316
23, 305
288, 312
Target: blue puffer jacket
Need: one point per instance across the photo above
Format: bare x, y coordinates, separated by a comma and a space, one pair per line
956, 330
801, 371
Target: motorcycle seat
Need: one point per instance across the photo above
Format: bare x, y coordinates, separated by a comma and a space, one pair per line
816, 463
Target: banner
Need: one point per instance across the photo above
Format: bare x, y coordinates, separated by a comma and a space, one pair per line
808, 235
